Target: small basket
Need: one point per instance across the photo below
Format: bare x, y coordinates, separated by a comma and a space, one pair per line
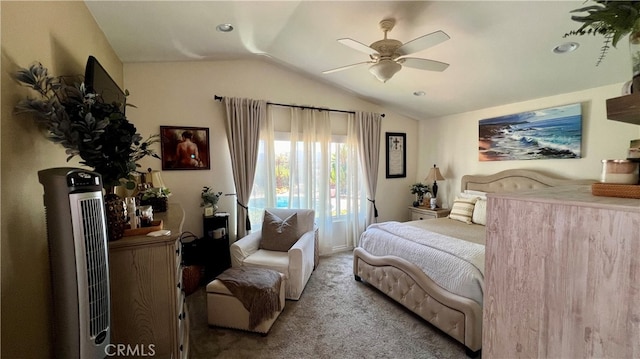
616, 190
155, 226
158, 204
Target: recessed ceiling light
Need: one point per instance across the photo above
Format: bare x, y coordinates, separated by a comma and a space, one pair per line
224, 27
419, 93
566, 47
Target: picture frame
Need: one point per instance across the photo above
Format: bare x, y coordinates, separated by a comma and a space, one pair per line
184, 148
396, 150
548, 133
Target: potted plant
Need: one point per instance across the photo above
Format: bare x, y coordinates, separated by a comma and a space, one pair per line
613, 20
419, 189
209, 200
157, 198
86, 126
97, 132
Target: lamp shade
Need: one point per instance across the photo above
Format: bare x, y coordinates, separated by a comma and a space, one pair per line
156, 180
385, 69
434, 175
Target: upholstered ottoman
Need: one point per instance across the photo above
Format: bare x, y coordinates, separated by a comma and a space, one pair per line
225, 310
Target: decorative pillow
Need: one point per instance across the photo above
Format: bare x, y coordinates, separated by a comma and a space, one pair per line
475, 193
480, 212
279, 234
462, 209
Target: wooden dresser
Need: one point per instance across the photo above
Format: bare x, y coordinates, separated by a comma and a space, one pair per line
562, 275
148, 309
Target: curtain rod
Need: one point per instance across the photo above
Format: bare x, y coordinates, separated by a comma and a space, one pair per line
220, 98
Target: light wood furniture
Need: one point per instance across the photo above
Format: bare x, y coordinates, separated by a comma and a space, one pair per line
562, 275
422, 212
148, 306
457, 316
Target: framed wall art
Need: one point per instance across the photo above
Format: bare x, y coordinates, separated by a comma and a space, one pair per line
184, 148
396, 154
549, 133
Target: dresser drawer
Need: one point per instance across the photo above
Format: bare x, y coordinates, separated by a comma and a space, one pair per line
422, 213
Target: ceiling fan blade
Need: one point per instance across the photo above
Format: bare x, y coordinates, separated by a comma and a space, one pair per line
358, 46
346, 67
422, 42
423, 64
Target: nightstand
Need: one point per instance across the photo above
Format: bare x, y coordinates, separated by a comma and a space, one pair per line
420, 213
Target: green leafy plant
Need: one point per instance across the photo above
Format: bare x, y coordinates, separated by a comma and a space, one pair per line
612, 19
419, 189
155, 192
209, 197
86, 126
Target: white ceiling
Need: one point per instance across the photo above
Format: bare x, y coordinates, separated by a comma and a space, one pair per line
500, 52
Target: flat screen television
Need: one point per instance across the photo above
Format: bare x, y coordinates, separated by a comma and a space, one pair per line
98, 81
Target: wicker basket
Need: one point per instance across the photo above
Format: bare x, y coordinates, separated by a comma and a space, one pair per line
616, 190
158, 204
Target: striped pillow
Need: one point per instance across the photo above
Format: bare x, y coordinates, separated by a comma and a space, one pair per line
462, 209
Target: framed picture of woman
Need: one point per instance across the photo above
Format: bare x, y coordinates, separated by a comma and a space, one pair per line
184, 148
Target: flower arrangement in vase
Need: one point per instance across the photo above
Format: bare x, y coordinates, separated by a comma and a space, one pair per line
420, 190
156, 197
209, 200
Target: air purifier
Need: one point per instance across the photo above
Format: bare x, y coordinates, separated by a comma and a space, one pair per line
77, 236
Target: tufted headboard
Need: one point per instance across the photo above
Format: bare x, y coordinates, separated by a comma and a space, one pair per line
515, 180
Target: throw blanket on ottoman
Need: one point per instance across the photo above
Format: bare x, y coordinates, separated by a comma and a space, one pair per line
257, 289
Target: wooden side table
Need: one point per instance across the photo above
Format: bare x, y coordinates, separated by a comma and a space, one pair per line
422, 212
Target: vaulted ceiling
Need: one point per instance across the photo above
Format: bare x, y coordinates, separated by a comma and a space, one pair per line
499, 52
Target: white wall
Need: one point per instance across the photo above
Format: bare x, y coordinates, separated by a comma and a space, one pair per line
453, 141
181, 94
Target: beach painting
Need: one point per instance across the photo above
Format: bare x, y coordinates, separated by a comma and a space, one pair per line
543, 134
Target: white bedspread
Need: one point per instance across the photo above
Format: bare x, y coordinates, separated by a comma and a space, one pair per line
454, 264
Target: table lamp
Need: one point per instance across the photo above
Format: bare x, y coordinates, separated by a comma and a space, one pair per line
434, 175
156, 180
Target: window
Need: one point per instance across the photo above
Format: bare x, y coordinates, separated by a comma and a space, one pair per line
292, 192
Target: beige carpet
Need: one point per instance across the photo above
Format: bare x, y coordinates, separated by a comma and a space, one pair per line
336, 317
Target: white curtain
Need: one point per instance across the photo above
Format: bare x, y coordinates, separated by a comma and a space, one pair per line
309, 163
244, 119
367, 129
313, 150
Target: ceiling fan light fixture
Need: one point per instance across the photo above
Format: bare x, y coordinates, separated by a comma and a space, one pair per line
385, 69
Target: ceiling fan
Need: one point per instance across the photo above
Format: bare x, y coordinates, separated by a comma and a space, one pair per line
387, 56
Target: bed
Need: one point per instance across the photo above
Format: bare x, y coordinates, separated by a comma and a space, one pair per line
435, 268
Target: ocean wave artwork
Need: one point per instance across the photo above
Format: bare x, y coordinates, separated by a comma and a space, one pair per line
549, 133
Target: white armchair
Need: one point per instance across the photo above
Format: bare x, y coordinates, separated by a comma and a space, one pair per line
296, 264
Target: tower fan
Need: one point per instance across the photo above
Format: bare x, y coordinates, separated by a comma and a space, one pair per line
77, 237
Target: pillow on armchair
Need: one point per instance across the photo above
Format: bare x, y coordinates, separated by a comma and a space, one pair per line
279, 234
